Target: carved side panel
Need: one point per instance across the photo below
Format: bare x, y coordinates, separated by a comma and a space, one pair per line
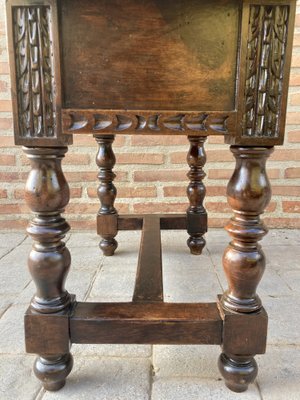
35, 73
267, 39
263, 77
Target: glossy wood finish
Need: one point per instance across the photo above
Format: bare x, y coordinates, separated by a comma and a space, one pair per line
248, 194
47, 194
107, 215
194, 68
143, 323
149, 279
196, 212
171, 48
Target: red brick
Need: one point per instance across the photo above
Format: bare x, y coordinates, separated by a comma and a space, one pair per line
89, 141
166, 207
6, 124
291, 206
295, 78
12, 176
16, 224
6, 141
91, 176
296, 39
212, 156
216, 139
218, 206
296, 60
14, 209
286, 155
7, 159
290, 223
159, 140
77, 159
297, 20
4, 68
3, 193
141, 158
91, 208
292, 173
295, 99
286, 191
293, 118
294, 136
161, 176
5, 106
180, 191
4, 88
129, 192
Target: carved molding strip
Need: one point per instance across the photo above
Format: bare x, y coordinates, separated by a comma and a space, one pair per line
151, 122
267, 40
34, 71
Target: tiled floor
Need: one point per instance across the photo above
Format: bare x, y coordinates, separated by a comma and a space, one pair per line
118, 372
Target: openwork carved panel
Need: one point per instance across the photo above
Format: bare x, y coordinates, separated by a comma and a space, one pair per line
34, 71
267, 41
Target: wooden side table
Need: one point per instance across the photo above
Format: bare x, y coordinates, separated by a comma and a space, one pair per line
194, 68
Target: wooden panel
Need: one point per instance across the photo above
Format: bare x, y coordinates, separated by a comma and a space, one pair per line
152, 323
201, 123
265, 59
35, 72
149, 280
151, 54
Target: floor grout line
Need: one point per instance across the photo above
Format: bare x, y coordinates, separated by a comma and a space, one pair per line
14, 248
152, 373
94, 277
40, 394
215, 268
259, 391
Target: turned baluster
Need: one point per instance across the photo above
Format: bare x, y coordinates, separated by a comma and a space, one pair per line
248, 194
196, 213
107, 215
47, 194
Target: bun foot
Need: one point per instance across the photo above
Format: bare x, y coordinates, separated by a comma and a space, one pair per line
53, 370
108, 247
196, 244
237, 371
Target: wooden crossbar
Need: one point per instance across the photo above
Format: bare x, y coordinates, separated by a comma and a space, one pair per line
149, 280
146, 323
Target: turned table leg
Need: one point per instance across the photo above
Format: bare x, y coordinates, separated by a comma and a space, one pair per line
196, 213
107, 218
47, 194
245, 322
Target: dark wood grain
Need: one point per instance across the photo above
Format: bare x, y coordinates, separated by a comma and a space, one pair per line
156, 323
47, 194
149, 55
149, 280
196, 159
248, 193
107, 218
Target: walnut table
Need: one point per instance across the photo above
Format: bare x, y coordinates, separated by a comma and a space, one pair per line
139, 67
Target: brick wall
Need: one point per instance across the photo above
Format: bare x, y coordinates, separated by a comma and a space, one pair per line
151, 173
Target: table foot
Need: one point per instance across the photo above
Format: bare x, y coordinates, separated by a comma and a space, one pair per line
237, 371
108, 247
53, 370
196, 244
